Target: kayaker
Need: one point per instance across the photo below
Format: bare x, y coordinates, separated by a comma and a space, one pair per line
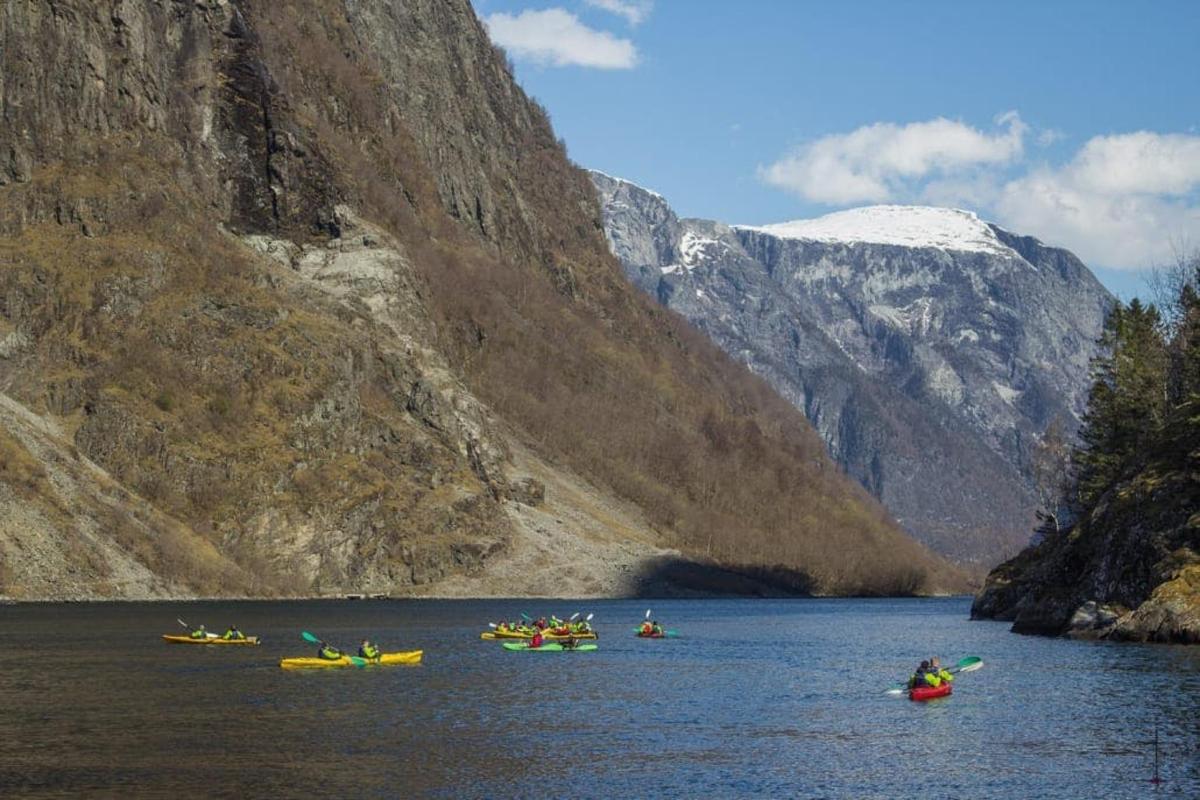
199, 633
922, 677
540, 624
368, 650
233, 633
537, 639
571, 643
328, 653
647, 628
656, 629
935, 666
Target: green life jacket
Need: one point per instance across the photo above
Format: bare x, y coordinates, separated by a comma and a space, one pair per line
329, 654
200, 634
370, 651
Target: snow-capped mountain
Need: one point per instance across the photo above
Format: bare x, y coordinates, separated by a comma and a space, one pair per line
929, 348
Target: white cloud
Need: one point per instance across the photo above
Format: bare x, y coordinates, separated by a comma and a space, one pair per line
634, 11
875, 163
1048, 136
1123, 201
557, 38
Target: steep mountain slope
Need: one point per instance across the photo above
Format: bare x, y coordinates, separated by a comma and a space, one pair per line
304, 297
929, 349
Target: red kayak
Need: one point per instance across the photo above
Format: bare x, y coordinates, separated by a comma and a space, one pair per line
651, 635
930, 692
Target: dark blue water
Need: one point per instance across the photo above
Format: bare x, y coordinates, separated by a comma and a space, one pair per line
758, 698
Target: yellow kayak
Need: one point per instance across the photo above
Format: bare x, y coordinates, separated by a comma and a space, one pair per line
491, 635
407, 657
210, 640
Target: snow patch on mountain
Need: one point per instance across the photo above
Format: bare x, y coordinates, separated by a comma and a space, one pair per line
905, 226
693, 250
628, 182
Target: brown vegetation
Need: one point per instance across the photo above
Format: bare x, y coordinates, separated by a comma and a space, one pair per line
540, 318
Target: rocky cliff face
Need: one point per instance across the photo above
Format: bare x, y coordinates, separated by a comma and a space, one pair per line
304, 297
1129, 570
929, 349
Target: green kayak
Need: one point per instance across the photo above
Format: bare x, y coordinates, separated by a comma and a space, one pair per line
549, 647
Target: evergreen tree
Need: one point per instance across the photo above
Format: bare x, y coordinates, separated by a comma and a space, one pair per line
1128, 400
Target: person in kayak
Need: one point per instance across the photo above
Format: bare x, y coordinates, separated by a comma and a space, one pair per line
233, 633
647, 628
199, 633
537, 639
571, 643
368, 650
656, 629
935, 666
328, 653
540, 624
923, 677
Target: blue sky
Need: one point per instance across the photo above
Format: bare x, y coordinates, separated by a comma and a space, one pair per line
1075, 122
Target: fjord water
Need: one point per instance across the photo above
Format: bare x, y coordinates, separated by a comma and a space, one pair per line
757, 698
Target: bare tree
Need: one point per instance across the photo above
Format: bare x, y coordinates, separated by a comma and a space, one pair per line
1050, 462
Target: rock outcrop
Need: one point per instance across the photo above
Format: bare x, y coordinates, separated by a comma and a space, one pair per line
1129, 570
304, 297
929, 349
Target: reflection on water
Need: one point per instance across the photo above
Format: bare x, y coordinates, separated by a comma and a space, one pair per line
758, 698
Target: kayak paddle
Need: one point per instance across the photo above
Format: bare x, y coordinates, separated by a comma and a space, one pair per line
355, 660
574, 616
207, 634
968, 664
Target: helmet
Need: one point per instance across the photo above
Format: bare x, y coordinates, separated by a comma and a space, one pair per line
924, 665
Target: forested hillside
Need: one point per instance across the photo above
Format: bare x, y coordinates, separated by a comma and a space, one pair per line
1119, 549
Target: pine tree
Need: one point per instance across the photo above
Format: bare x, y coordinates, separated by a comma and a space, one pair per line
1128, 400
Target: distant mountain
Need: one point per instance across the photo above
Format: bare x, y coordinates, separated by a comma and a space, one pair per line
930, 349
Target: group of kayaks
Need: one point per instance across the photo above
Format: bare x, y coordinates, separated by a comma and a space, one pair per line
548, 634
543, 635
554, 635
333, 660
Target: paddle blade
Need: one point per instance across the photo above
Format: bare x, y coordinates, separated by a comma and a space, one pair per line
647, 613
308, 637
574, 617
895, 691
356, 661
184, 624
526, 617
589, 617
969, 661
972, 667
491, 624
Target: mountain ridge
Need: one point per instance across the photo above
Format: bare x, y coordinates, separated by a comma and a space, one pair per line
930, 372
